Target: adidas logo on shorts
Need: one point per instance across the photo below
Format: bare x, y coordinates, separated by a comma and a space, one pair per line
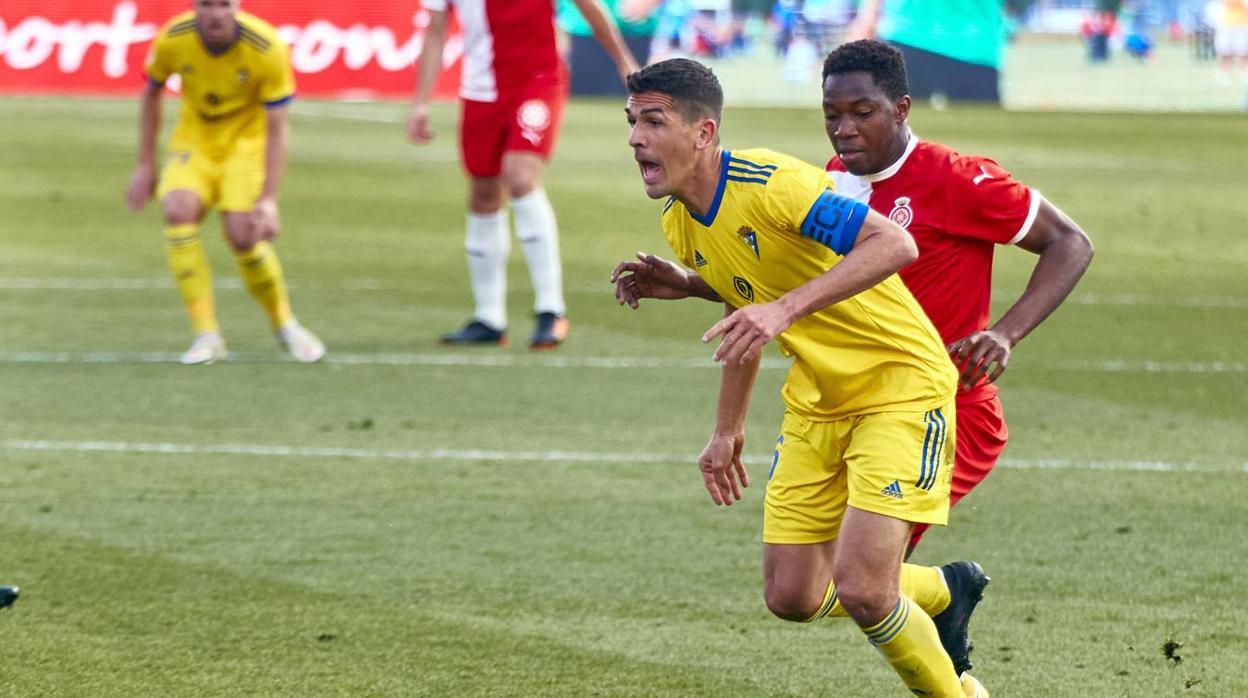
893, 490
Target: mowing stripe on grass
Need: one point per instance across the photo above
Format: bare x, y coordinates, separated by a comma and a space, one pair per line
74, 283
501, 456
507, 360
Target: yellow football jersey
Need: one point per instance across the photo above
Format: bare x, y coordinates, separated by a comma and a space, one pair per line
774, 225
224, 95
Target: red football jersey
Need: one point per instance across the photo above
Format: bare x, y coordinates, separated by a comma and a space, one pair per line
957, 208
506, 42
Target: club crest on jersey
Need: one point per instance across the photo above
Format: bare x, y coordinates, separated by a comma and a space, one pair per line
698, 260
534, 118
901, 214
243, 75
744, 288
750, 238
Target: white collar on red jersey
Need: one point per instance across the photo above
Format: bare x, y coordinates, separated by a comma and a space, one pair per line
893, 168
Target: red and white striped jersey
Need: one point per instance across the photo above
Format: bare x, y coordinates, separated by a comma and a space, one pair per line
506, 43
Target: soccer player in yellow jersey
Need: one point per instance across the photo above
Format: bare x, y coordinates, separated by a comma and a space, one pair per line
865, 450
228, 151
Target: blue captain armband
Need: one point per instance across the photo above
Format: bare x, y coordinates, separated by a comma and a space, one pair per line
834, 222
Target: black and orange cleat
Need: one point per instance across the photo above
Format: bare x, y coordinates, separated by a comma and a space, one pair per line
966, 582
8, 596
550, 331
476, 333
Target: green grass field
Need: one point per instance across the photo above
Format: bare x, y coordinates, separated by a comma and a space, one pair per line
404, 520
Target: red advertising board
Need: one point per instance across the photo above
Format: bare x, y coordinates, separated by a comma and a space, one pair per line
360, 49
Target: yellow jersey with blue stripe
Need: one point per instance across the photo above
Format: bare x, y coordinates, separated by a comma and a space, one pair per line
224, 94
775, 224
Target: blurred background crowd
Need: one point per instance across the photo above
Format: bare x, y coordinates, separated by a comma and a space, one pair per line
956, 49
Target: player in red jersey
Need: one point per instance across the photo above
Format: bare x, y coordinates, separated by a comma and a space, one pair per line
513, 90
958, 208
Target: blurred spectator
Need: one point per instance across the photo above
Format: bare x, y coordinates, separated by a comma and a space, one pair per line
745, 14
1204, 29
806, 30
1230, 38
669, 34
1099, 27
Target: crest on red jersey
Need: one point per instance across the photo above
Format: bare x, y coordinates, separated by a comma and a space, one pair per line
534, 118
901, 214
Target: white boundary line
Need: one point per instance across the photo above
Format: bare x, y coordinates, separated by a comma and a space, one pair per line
556, 456
506, 360
70, 283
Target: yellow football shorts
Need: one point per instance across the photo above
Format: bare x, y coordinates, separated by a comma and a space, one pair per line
232, 182
897, 464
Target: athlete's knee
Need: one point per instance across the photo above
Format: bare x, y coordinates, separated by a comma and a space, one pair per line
238, 232
522, 173
485, 195
181, 208
520, 184
790, 603
866, 600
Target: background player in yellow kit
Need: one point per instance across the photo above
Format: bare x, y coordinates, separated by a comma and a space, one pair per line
866, 446
228, 151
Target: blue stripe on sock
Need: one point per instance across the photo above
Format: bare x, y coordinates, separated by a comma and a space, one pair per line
897, 627
886, 625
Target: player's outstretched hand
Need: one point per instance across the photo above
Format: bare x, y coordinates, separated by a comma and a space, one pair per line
418, 125
265, 219
723, 473
141, 188
747, 330
981, 354
649, 277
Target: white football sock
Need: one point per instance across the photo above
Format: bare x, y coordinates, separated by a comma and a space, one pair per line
488, 244
539, 236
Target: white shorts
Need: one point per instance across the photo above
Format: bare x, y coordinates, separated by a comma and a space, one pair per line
1231, 41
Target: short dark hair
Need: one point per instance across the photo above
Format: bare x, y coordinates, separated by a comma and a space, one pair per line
692, 86
887, 67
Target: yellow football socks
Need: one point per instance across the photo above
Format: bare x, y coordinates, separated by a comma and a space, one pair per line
908, 640
192, 275
262, 273
924, 585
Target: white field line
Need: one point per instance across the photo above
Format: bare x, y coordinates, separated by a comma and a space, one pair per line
53, 283
504, 360
149, 284
556, 456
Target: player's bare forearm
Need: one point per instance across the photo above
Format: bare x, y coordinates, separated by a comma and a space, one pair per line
142, 183
418, 130
880, 250
864, 24
607, 34
277, 140
1065, 253
700, 289
430, 57
735, 387
149, 124
723, 472
651, 276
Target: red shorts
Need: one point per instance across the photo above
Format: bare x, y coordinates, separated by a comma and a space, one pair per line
979, 440
525, 119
